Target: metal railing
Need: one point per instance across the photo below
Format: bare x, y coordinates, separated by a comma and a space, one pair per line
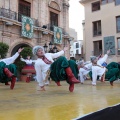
51, 28
17, 16
14, 15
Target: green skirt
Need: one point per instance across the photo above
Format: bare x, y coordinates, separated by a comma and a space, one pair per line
58, 69
11, 67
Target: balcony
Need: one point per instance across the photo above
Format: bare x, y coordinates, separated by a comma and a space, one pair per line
51, 28
14, 16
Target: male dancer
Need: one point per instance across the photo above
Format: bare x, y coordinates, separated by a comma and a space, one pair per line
61, 69
8, 70
28, 69
111, 71
86, 69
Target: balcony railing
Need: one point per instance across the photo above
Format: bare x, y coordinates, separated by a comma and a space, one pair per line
51, 28
14, 16
17, 16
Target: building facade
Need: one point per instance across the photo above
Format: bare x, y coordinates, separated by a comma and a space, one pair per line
76, 46
77, 49
101, 28
73, 34
42, 16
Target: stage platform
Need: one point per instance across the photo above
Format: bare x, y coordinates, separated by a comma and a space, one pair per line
56, 103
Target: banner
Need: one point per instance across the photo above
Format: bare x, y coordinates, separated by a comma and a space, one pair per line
57, 35
27, 27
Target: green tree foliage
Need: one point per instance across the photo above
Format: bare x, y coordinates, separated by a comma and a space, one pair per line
26, 52
3, 49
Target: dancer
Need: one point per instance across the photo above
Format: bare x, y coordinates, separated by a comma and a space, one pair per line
61, 69
29, 68
84, 70
111, 72
86, 67
8, 70
102, 59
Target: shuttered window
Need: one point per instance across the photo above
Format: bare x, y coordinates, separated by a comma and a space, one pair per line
24, 8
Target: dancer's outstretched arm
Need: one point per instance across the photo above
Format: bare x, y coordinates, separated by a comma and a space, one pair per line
11, 60
58, 54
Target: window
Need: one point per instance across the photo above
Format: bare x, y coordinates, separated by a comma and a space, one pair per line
97, 47
106, 1
118, 41
24, 8
77, 51
118, 23
117, 2
77, 45
53, 19
96, 28
96, 6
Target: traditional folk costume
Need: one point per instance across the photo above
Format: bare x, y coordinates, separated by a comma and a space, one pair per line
102, 61
28, 68
83, 71
8, 70
61, 69
111, 73
87, 69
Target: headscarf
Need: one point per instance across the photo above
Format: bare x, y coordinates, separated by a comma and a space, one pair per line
92, 58
36, 48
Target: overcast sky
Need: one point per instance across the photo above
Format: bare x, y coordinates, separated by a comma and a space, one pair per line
76, 15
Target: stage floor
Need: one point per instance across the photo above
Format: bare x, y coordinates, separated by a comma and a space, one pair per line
56, 103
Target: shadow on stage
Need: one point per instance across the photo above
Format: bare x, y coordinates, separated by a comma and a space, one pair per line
109, 113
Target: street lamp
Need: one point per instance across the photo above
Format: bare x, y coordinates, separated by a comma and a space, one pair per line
50, 45
54, 49
51, 49
45, 47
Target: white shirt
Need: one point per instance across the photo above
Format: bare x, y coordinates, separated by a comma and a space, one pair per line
10, 60
28, 62
99, 62
41, 67
95, 72
102, 60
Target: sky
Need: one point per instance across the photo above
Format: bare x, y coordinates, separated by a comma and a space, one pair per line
76, 15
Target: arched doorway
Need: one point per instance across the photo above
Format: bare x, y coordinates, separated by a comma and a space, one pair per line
15, 49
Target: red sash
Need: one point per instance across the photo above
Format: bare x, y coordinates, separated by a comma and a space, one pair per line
46, 60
